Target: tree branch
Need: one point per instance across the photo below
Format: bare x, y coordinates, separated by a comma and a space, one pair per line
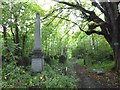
54, 11
71, 21
95, 4
74, 6
53, 19
87, 32
92, 16
94, 32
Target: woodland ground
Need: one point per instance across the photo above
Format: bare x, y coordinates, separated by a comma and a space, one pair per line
89, 79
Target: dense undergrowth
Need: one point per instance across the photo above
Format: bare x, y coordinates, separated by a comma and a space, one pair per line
51, 77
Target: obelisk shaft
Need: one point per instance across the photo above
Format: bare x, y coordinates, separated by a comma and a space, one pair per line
37, 56
37, 40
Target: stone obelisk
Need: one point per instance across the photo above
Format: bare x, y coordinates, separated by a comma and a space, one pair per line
37, 56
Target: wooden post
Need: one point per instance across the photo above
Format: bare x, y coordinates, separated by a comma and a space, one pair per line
37, 56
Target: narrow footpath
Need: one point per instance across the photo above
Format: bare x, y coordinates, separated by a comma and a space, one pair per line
84, 80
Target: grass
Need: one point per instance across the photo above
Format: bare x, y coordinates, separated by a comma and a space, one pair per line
106, 65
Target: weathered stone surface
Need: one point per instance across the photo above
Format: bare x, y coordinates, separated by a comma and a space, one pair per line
37, 56
37, 40
37, 64
100, 72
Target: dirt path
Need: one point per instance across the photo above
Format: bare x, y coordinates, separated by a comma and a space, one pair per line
84, 80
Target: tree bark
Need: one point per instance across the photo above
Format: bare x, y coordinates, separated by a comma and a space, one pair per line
117, 59
16, 32
117, 44
5, 38
5, 34
12, 33
17, 49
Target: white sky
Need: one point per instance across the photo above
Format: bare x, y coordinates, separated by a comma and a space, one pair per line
45, 3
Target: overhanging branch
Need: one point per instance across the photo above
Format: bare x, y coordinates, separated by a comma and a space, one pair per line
53, 19
54, 11
74, 6
94, 32
71, 22
91, 17
87, 32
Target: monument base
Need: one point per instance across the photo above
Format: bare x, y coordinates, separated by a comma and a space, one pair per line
37, 64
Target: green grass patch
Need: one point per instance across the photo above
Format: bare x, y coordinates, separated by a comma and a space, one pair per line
80, 62
106, 65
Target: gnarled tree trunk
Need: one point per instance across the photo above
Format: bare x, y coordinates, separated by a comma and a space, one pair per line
113, 30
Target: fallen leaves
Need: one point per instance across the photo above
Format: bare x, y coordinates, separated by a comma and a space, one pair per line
109, 78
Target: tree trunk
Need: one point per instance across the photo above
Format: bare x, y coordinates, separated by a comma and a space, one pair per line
17, 51
5, 35
16, 32
5, 39
23, 44
117, 44
117, 55
12, 33
113, 20
6, 49
84, 61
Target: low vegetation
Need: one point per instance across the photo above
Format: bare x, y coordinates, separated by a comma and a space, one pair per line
54, 76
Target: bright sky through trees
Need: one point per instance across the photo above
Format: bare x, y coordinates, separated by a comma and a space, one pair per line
45, 3
1, 29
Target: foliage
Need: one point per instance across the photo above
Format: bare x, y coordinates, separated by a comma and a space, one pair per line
18, 18
93, 49
106, 65
58, 37
99, 17
52, 77
1, 44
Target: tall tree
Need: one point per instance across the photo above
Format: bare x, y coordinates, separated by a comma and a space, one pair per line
18, 24
109, 26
